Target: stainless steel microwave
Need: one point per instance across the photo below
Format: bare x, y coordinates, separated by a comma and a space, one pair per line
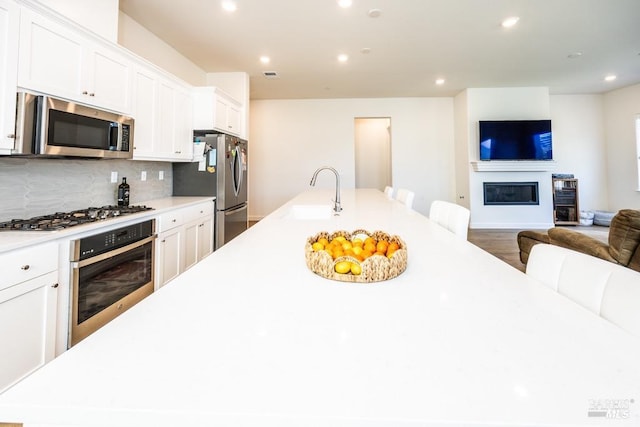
47, 126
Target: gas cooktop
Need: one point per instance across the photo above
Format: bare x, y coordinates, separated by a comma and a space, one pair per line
60, 220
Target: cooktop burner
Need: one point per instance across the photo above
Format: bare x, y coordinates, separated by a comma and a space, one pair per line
60, 220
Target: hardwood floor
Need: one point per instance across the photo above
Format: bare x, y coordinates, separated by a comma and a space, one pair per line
499, 243
503, 244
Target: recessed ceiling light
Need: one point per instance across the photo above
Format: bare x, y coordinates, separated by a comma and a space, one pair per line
574, 55
374, 13
343, 57
610, 78
229, 5
510, 22
265, 59
439, 81
344, 3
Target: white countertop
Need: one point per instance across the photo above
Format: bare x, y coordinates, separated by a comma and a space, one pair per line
11, 240
251, 337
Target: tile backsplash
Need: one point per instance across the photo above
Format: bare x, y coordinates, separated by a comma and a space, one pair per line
30, 187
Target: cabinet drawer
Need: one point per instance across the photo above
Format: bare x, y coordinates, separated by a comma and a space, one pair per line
27, 263
169, 220
201, 210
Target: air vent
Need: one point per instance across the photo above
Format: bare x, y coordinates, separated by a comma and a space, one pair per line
270, 74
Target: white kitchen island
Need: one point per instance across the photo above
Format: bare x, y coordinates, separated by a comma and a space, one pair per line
251, 337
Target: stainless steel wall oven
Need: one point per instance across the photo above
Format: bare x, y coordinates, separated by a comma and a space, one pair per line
111, 271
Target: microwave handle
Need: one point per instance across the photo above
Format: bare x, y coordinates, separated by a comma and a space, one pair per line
31, 123
114, 136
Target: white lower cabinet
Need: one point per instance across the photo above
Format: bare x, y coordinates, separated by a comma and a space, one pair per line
28, 298
198, 240
169, 255
185, 237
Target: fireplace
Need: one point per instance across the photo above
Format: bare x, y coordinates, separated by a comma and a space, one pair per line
511, 193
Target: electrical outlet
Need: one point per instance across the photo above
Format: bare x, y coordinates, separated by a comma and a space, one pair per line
143, 176
161, 175
114, 177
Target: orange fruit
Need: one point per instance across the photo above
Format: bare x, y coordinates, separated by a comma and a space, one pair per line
390, 252
317, 246
382, 246
357, 242
324, 241
394, 246
346, 245
369, 247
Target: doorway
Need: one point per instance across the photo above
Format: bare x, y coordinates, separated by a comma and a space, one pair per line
373, 152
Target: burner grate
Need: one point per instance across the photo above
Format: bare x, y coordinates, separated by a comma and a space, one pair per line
62, 220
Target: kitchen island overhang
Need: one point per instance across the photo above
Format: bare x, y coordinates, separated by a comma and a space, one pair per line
250, 336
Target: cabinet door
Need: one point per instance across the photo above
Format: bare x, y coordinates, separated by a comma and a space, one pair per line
191, 244
205, 237
51, 57
61, 62
234, 120
183, 131
170, 259
198, 238
166, 121
108, 79
27, 327
220, 114
9, 25
145, 108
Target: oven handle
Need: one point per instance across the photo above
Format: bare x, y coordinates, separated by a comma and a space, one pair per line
107, 255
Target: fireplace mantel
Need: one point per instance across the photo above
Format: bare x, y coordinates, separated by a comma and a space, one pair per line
513, 166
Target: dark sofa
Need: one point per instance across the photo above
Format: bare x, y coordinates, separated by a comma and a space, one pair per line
622, 246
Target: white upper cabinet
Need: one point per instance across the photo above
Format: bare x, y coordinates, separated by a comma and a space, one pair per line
9, 24
57, 60
162, 112
213, 109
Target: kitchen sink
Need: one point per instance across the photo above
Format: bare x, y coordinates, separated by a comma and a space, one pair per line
309, 212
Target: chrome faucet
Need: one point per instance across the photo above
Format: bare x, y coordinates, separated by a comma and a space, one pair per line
336, 208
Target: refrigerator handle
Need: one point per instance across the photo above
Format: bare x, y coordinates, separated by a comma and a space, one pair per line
237, 172
235, 211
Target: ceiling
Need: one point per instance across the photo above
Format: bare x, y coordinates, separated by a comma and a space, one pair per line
411, 44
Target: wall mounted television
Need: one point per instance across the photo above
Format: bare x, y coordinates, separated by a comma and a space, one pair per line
515, 140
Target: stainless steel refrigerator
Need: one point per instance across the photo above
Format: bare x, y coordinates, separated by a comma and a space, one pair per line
222, 173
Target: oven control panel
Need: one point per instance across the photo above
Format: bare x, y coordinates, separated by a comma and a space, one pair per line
109, 240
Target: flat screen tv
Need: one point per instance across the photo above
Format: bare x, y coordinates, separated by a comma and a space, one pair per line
515, 140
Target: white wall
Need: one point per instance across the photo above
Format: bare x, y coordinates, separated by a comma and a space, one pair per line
621, 108
579, 146
147, 45
292, 138
101, 16
462, 149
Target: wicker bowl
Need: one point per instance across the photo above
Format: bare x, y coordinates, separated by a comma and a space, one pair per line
375, 268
